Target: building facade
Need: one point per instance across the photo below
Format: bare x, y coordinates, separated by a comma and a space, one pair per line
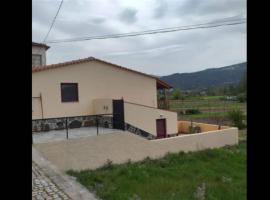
89, 86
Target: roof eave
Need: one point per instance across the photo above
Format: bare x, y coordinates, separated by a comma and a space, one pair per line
162, 84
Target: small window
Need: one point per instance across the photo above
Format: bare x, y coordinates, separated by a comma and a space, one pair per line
69, 92
36, 59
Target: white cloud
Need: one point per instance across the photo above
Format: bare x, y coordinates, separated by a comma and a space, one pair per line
159, 54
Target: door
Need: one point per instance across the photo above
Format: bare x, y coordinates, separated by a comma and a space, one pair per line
118, 114
161, 128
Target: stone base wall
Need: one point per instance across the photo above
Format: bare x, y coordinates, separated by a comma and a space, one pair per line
139, 132
73, 122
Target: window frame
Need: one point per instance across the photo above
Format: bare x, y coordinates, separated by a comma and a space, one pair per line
40, 56
77, 92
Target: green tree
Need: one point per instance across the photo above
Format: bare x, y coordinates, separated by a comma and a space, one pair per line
176, 94
242, 89
242, 86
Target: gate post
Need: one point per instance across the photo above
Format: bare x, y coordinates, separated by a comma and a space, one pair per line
97, 123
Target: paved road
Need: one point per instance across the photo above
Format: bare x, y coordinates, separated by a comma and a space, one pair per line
48, 179
43, 187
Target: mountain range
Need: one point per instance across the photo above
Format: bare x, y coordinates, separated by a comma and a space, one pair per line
207, 78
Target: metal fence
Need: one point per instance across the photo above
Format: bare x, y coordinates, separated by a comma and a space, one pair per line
69, 123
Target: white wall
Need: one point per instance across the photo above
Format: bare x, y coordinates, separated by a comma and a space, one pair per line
40, 51
144, 118
198, 141
103, 106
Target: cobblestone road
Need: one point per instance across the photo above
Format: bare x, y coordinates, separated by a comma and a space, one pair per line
43, 188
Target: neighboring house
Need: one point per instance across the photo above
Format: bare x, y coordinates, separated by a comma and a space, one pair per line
92, 86
39, 53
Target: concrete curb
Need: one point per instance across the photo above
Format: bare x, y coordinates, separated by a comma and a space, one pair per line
66, 183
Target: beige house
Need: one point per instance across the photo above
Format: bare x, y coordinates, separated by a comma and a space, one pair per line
92, 86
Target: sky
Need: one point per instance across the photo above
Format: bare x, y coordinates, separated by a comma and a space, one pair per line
159, 54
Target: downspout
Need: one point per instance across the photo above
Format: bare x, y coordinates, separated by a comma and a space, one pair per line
41, 106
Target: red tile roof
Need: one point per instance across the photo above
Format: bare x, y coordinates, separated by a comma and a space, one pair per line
40, 45
79, 61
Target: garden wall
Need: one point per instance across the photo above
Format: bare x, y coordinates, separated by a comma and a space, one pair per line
144, 117
198, 141
183, 126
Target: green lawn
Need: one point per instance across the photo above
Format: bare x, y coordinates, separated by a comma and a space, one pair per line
211, 108
205, 115
218, 174
203, 97
205, 104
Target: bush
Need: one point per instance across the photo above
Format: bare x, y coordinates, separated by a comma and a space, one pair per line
107, 165
176, 94
237, 117
223, 98
242, 97
192, 111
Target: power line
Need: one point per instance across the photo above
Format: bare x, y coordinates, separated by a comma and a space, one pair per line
53, 21
153, 31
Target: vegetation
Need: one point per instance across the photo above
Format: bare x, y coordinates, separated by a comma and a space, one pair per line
176, 95
237, 117
192, 111
201, 80
209, 174
242, 97
209, 109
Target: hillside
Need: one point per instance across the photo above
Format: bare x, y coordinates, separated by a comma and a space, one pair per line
210, 77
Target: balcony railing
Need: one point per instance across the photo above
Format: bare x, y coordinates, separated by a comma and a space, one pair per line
163, 104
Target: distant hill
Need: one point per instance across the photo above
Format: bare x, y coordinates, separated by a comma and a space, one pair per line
210, 77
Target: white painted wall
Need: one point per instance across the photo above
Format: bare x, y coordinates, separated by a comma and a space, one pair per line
95, 80
144, 118
40, 51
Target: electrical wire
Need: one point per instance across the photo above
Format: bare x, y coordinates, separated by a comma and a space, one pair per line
54, 19
153, 31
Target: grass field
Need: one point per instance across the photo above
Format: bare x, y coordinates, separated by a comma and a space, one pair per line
205, 104
218, 174
212, 109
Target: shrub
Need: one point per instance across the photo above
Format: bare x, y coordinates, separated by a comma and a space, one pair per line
242, 97
107, 165
237, 117
181, 112
176, 94
192, 111
223, 98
